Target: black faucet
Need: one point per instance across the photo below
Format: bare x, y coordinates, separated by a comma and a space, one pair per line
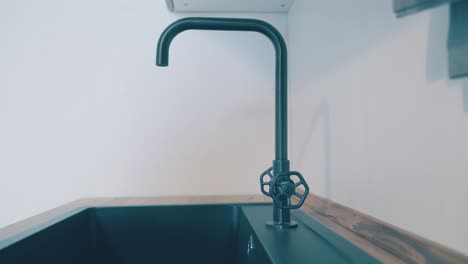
281, 183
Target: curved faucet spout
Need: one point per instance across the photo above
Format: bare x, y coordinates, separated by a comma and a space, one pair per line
281, 187
237, 24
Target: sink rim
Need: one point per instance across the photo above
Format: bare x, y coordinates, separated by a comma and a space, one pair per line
24, 234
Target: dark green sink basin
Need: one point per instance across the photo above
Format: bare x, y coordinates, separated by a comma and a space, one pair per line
178, 234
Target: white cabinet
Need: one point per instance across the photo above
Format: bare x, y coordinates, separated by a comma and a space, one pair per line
266, 6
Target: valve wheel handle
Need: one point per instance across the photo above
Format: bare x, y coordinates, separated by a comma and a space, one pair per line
264, 183
278, 195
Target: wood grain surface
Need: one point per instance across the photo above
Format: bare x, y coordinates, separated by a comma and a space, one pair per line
404, 246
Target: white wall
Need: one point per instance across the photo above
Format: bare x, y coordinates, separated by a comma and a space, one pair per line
85, 112
376, 124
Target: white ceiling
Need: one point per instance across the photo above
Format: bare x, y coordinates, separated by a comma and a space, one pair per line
281, 6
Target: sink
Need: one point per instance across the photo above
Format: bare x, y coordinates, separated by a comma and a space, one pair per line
228, 233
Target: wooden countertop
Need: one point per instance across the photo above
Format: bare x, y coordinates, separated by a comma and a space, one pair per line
385, 242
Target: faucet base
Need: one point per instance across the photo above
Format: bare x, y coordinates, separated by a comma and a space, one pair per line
281, 217
281, 225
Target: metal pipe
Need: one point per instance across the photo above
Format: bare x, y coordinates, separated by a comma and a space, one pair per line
236, 24
281, 162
